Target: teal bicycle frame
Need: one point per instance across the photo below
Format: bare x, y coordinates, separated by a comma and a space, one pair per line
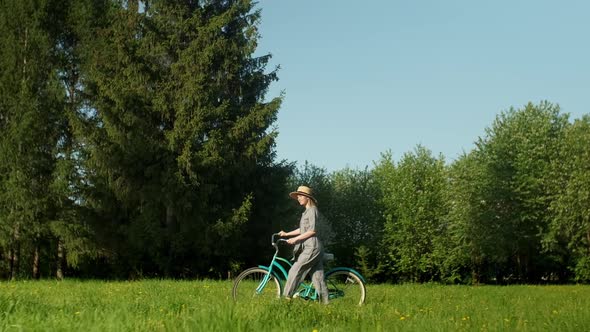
279, 268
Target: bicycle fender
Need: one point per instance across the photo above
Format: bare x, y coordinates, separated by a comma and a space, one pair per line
355, 272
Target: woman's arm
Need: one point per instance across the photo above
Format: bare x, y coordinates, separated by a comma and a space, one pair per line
301, 237
291, 233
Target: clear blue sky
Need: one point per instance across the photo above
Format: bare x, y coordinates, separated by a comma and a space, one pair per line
364, 77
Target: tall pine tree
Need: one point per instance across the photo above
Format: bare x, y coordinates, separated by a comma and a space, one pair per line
31, 105
178, 132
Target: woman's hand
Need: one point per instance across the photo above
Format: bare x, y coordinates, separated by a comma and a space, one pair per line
282, 233
292, 240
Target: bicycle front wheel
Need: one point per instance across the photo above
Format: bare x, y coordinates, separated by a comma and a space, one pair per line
346, 287
251, 284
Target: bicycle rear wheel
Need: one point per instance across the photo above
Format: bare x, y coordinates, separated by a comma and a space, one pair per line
246, 285
346, 287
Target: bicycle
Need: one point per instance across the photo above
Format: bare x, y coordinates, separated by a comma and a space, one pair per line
261, 282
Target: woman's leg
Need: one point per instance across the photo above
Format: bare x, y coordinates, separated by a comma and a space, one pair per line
296, 274
319, 282
298, 271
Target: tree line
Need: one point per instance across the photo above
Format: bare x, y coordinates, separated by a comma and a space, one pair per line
514, 209
137, 140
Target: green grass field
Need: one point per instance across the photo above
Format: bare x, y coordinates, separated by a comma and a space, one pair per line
164, 305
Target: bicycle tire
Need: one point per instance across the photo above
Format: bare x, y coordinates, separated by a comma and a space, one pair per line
247, 282
346, 286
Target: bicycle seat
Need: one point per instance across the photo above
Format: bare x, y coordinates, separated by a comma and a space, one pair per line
328, 256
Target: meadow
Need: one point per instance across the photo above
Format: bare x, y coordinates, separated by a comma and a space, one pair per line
168, 305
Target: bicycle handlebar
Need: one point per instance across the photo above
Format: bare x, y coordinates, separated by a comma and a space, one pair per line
273, 241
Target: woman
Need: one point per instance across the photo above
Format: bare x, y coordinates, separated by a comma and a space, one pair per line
308, 250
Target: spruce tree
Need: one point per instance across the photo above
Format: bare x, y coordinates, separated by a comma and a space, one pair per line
180, 130
31, 100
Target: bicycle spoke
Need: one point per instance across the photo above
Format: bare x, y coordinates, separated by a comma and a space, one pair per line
251, 284
344, 286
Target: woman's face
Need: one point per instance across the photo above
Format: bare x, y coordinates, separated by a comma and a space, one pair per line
302, 199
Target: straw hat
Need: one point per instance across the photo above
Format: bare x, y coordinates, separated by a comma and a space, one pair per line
305, 191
